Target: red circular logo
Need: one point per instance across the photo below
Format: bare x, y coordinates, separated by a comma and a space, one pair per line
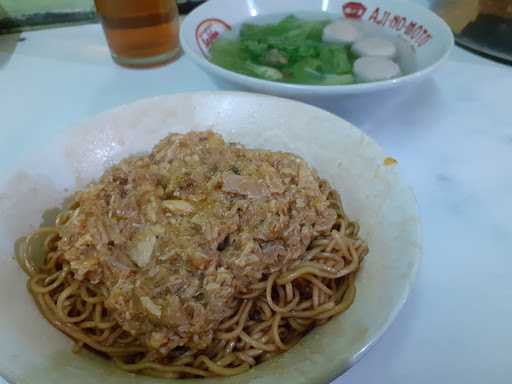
208, 31
354, 10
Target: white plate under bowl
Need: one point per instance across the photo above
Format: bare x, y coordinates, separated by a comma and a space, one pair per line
32, 351
423, 39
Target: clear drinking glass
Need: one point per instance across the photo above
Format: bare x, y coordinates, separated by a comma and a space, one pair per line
140, 32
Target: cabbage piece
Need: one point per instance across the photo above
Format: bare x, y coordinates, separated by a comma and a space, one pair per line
311, 72
228, 54
337, 79
335, 59
290, 26
291, 50
264, 71
293, 38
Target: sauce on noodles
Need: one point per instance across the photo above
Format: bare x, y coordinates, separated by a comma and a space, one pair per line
202, 258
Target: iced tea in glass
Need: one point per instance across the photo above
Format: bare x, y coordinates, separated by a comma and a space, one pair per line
140, 32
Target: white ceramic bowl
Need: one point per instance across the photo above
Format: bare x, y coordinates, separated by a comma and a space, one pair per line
424, 39
33, 352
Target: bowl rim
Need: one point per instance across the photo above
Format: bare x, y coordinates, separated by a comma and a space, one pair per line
286, 88
418, 255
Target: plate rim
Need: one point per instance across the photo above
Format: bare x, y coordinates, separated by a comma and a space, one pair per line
411, 280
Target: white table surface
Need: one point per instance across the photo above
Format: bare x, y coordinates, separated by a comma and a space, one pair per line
452, 135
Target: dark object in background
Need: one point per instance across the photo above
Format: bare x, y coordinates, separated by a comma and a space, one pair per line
12, 24
46, 16
488, 34
484, 26
186, 6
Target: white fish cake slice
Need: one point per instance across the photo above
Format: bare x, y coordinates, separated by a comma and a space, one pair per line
341, 32
372, 68
375, 46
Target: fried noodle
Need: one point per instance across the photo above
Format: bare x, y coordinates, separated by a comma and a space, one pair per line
267, 320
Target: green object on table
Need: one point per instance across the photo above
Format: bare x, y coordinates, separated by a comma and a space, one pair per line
19, 15
290, 50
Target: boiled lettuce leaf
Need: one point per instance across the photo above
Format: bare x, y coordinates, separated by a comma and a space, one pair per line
290, 50
311, 71
335, 59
